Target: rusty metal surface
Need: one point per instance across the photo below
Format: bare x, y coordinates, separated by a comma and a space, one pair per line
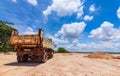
24, 40
30, 41
47, 43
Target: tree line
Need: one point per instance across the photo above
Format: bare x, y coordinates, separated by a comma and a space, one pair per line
5, 33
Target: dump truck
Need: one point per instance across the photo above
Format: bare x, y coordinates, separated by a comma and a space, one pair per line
32, 47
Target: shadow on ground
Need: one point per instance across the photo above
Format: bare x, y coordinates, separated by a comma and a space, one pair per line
30, 64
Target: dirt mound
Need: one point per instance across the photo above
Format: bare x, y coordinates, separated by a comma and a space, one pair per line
100, 55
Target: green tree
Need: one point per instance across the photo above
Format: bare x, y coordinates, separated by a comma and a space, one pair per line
5, 33
62, 50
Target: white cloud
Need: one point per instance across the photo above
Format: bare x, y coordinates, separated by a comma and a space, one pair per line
92, 46
20, 28
68, 31
14, 1
92, 8
33, 2
118, 12
106, 32
88, 18
29, 30
80, 12
64, 7
57, 40
72, 30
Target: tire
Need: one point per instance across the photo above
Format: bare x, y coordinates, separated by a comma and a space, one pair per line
44, 58
51, 55
25, 58
19, 59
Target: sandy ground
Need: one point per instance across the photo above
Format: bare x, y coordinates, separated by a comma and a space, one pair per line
72, 64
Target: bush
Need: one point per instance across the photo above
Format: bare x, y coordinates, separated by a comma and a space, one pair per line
62, 50
6, 49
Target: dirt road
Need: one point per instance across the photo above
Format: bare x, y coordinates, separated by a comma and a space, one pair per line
72, 64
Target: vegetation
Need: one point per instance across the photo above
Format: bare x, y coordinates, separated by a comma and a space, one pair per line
5, 33
62, 50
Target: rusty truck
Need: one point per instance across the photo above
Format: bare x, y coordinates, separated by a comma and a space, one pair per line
32, 47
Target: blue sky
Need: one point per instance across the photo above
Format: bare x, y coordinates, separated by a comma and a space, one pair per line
77, 25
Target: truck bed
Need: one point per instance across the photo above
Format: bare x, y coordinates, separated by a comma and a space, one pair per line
24, 40
29, 41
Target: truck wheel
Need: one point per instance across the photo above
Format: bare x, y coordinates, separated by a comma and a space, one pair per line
19, 59
44, 58
25, 58
51, 54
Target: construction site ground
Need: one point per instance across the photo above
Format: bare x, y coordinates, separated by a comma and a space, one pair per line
63, 64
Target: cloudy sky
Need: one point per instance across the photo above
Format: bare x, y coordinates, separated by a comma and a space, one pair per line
77, 25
